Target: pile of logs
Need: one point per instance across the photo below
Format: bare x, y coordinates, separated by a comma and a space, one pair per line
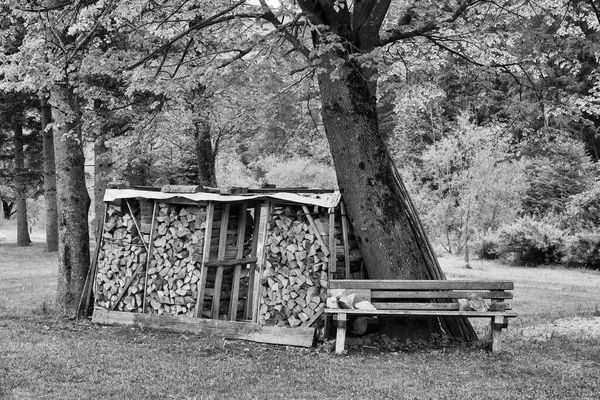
294, 280
122, 255
295, 273
174, 268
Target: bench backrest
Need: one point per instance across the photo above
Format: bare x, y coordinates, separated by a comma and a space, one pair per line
419, 294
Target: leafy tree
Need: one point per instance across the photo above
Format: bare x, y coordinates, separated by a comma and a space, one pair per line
472, 184
557, 168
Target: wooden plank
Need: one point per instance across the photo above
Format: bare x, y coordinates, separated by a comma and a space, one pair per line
231, 263
182, 189
345, 233
183, 201
332, 267
137, 226
318, 312
237, 272
86, 294
315, 230
434, 294
298, 336
262, 239
421, 284
210, 214
216, 303
340, 337
149, 255
289, 190
252, 272
345, 237
425, 313
126, 286
417, 306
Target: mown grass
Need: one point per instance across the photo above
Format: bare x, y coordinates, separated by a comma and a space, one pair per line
45, 357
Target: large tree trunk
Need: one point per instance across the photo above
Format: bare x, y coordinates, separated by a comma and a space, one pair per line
365, 174
204, 153
20, 184
49, 177
73, 199
384, 219
102, 162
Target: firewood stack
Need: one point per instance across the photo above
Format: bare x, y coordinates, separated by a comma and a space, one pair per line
121, 255
174, 269
294, 280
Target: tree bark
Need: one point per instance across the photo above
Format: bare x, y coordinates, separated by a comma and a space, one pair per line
389, 233
23, 238
49, 177
102, 162
204, 153
365, 174
73, 199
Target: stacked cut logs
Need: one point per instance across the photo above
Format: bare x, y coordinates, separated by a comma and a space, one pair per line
294, 280
175, 266
121, 255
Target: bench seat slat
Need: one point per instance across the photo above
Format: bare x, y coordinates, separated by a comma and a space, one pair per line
417, 306
425, 313
393, 294
420, 285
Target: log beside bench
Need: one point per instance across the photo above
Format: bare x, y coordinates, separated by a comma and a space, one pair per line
434, 298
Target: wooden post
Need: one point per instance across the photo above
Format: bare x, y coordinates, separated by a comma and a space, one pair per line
148, 249
248, 314
332, 267
210, 213
345, 238
340, 339
237, 270
90, 281
497, 324
260, 254
313, 226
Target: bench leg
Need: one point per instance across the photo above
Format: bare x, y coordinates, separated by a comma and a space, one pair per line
497, 326
340, 339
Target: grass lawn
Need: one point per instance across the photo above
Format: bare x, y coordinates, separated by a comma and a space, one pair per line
548, 354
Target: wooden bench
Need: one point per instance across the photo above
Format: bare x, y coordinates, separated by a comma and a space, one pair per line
435, 298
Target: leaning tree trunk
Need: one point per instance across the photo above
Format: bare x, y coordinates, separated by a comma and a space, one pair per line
73, 200
366, 178
21, 183
49, 177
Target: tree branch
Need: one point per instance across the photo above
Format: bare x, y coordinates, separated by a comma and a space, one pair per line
46, 9
393, 35
212, 20
269, 16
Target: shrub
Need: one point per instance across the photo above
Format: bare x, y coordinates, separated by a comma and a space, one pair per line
486, 246
583, 250
531, 242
